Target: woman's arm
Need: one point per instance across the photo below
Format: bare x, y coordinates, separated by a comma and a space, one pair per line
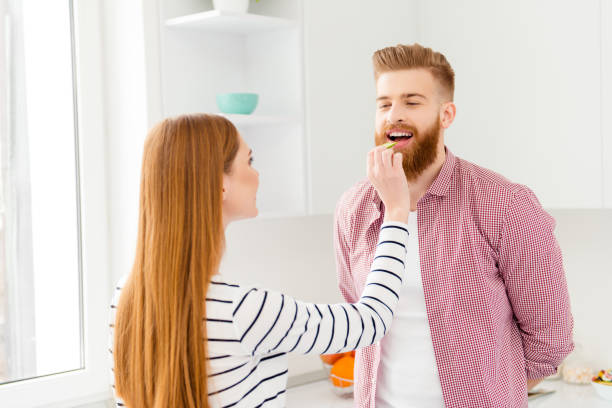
268, 322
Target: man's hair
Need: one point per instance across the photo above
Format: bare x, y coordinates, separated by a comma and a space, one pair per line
415, 56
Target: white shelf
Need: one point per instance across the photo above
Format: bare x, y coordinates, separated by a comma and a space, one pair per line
233, 23
258, 120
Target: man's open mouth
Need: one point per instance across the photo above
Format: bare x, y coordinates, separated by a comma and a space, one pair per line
397, 136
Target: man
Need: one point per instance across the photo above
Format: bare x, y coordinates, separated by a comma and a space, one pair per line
485, 314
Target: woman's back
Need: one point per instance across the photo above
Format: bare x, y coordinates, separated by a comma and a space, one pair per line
235, 377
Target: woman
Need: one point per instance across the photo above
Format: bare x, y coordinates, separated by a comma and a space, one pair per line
197, 177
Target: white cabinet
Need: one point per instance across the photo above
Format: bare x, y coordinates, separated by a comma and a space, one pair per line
606, 100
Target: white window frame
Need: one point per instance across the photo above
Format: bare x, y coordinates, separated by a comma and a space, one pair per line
90, 384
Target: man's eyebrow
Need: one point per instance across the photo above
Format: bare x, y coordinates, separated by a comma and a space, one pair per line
403, 96
250, 152
414, 94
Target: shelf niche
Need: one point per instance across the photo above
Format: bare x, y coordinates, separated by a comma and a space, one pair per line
207, 53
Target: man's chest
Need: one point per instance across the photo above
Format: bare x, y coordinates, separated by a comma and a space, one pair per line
453, 257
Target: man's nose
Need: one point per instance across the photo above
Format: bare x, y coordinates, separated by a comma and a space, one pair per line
396, 114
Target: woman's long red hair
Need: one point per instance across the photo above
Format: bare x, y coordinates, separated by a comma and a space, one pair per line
159, 344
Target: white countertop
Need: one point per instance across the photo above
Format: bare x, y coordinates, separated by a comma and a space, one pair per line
569, 395
320, 394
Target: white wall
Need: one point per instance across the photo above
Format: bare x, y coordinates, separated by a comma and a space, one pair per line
606, 99
339, 40
126, 117
585, 240
528, 91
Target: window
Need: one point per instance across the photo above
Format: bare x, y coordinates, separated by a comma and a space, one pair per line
53, 272
39, 229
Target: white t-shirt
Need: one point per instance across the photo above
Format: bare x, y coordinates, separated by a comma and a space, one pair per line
407, 374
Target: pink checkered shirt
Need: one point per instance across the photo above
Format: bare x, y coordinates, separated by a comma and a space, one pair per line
493, 279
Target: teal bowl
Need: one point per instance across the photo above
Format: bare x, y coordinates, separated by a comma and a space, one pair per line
242, 103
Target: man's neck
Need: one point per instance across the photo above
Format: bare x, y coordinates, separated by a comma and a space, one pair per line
419, 187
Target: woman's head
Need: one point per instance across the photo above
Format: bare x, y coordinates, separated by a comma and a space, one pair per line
188, 162
185, 162
210, 149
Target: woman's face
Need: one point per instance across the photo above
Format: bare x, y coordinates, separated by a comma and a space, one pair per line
240, 186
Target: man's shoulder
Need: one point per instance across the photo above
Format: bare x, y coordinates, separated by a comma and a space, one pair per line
480, 180
359, 192
357, 196
490, 197
358, 201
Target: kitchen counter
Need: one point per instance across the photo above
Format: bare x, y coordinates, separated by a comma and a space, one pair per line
320, 394
569, 395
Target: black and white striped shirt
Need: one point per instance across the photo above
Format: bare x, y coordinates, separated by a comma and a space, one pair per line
250, 330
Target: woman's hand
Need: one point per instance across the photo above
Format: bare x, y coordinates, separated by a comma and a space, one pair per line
386, 174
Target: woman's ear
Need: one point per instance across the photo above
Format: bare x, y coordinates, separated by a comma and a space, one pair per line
226, 184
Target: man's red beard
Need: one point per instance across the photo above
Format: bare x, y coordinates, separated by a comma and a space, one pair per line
420, 153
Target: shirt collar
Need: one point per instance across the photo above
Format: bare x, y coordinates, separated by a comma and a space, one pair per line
439, 187
442, 183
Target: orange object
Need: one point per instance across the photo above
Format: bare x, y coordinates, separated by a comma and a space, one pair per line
331, 358
342, 372
353, 353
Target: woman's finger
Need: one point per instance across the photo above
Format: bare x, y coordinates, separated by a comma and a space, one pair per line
369, 162
386, 159
377, 160
397, 162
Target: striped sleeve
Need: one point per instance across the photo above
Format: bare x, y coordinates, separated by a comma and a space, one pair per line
113, 311
267, 321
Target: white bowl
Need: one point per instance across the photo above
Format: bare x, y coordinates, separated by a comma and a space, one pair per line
604, 390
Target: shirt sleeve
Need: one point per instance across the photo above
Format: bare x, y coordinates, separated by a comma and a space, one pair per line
113, 312
342, 251
531, 265
268, 322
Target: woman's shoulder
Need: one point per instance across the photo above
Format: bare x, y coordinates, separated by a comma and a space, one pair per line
223, 294
231, 298
220, 284
222, 288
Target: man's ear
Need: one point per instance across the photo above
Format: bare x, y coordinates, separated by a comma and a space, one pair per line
447, 114
226, 184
